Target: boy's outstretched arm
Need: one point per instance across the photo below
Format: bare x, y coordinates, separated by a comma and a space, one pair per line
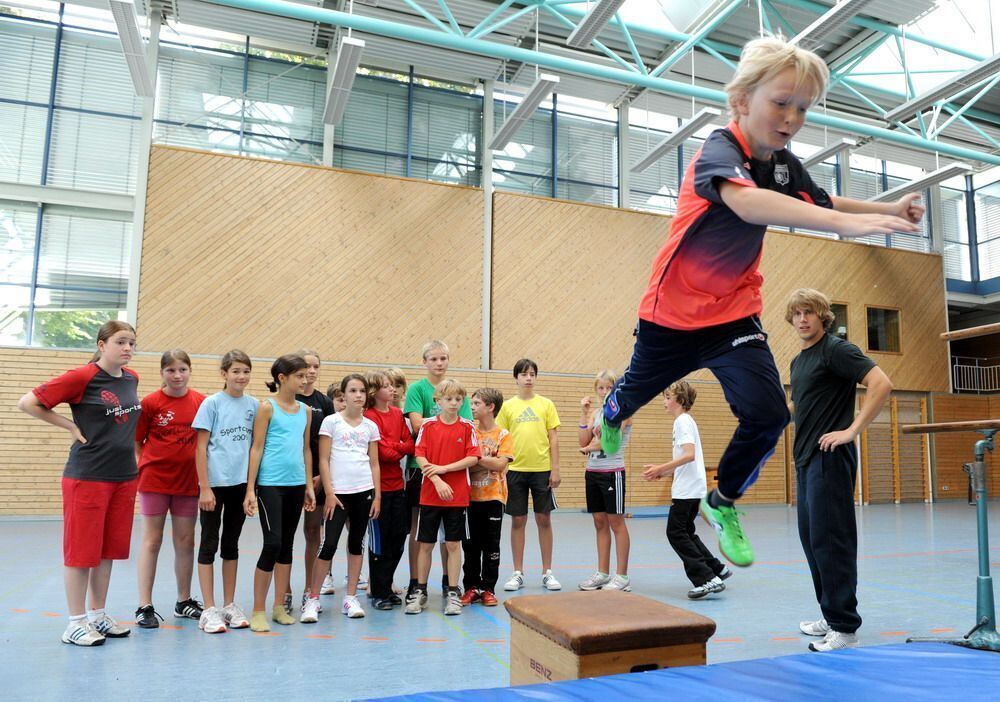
906, 207
766, 207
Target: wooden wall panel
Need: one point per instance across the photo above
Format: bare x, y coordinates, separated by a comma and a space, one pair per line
953, 450
912, 451
270, 256
877, 457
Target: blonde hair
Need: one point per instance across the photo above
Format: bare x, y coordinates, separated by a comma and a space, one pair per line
811, 301
447, 387
762, 59
376, 380
308, 352
683, 392
606, 374
396, 377
433, 345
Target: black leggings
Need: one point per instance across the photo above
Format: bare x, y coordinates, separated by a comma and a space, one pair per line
229, 515
356, 508
280, 507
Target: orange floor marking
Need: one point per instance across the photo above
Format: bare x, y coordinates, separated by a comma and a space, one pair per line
893, 633
374, 638
22, 611
319, 636
173, 627
266, 633
51, 614
732, 640
496, 641
945, 630
431, 640
784, 638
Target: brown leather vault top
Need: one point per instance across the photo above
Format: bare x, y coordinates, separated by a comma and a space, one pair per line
606, 621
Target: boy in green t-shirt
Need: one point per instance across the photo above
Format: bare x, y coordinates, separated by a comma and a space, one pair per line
532, 421
420, 405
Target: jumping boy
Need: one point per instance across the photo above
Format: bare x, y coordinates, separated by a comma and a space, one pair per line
532, 421
825, 376
702, 306
446, 449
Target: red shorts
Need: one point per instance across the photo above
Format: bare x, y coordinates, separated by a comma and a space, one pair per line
157, 504
97, 521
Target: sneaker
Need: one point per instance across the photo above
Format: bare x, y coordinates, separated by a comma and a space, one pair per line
611, 437
188, 609
108, 627
281, 615
234, 616
732, 541
413, 604
329, 585
146, 617
258, 622
288, 603
383, 604
834, 641
352, 607
469, 596
816, 628
595, 581
712, 586
725, 573
82, 633
488, 599
212, 621
549, 581
619, 582
516, 582
395, 600
310, 611
453, 605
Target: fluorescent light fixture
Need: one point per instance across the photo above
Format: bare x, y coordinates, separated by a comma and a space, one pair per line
677, 138
342, 78
828, 23
830, 151
542, 88
981, 71
593, 22
932, 178
133, 46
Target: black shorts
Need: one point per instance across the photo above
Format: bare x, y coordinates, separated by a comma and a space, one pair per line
605, 491
413, 484
431, 518
520, 483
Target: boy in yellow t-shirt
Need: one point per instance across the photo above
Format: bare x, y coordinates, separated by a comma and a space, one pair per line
532, 421
489, 494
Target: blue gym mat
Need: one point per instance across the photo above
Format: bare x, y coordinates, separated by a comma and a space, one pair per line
920, 671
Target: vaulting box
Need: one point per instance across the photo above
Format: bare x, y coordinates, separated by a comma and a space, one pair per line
575, 635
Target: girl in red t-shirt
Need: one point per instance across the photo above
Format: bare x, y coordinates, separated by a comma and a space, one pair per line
168, 482
99, 481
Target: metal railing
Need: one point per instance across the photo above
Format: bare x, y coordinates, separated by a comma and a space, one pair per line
978, 375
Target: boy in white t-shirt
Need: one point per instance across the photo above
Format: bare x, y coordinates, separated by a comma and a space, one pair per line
703, 569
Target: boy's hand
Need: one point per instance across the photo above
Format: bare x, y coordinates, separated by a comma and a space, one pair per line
443, 490
854, 225
909, 209
829, 441
652, 472
431, 470
554, 479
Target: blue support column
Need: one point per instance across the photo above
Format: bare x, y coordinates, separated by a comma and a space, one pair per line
29, 332
409, 123
884, 177
555, 145
970, 215
680, 167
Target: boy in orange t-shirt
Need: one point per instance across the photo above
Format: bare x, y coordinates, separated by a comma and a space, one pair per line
486, 501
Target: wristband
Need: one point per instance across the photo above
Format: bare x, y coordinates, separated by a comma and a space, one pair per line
584, 426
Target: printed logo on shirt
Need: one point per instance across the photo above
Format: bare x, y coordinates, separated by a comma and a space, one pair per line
114, 407
460, 440
781, 174
237, 433
250, 415
749, 337
163, 418
528, 416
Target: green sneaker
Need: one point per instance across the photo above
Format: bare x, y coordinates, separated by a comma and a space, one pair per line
611, 437
732, 541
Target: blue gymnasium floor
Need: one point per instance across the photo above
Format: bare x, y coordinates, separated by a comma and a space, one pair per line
917, 577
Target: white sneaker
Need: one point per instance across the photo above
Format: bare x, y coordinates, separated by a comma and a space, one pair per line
329, 585
516, 582
835, 641
712, 586
234, 616
549, 581
816, 628
82, 633
454, 604
619, 582
310, 611
413, 603
108, 627
352, 608
212, 621
595, 581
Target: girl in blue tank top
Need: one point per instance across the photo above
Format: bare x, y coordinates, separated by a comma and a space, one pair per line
279, 484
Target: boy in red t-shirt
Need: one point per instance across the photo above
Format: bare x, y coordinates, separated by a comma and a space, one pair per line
446, 449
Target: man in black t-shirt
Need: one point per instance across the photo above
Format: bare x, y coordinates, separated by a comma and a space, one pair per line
824, 381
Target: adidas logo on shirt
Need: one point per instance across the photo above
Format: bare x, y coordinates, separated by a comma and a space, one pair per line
528, 415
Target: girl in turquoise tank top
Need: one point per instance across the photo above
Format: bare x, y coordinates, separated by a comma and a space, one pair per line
279, 484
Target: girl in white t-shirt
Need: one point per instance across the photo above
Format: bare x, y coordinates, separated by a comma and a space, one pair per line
348, 465
703, 569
